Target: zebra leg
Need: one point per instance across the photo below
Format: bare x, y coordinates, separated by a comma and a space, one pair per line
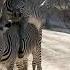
38, 50
25, 62
34, 58
11, 66
39, 58
22, 64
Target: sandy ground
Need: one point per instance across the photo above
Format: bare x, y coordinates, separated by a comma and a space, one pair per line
55, 51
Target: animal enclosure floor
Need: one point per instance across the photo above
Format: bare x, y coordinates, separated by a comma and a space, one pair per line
55, 51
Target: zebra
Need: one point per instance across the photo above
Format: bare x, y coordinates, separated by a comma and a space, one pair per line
9, 45
27, 14
31, 40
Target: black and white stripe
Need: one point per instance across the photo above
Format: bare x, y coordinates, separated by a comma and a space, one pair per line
9, 46
29, 31
8, 50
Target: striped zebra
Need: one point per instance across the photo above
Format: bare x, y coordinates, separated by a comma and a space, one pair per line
31, 36
30, 30
9, 45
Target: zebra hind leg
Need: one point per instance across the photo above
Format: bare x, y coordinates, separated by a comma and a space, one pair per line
36, 58
39, 58
22, 64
